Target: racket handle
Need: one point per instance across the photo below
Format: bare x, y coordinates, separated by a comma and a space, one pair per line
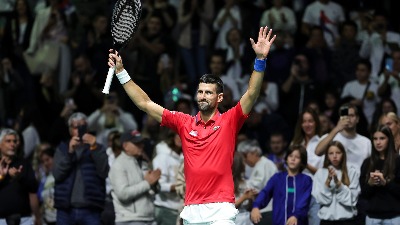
106, 89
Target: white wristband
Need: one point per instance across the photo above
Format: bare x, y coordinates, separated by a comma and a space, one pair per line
123, 77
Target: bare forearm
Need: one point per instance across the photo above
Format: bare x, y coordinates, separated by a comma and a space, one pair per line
323, 144
253, 91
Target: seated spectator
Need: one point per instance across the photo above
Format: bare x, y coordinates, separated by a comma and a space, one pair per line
277, 150
391, 120
279, 17
228, 17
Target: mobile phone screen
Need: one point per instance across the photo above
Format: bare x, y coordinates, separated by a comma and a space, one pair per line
344, 111
389, 64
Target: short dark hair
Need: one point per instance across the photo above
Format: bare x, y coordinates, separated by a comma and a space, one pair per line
365, 62
303, 155
213, 79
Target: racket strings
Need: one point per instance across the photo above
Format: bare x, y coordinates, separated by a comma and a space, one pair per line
125, 20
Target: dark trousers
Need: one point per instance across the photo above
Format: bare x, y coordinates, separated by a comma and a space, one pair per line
78, 216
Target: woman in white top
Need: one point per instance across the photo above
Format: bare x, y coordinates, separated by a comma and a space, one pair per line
336, 187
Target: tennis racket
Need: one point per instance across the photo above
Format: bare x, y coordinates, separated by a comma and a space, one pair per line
125, 20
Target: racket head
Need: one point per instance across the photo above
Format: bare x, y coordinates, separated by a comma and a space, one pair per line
125, 21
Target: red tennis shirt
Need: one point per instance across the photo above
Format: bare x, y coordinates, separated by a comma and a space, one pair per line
208, 149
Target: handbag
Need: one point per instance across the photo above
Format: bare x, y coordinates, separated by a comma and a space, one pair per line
44, 59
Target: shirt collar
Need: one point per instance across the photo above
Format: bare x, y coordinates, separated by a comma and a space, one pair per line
213, 119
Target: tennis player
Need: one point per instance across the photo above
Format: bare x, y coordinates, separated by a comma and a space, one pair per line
208, 139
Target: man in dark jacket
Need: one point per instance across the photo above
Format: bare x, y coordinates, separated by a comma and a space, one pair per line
80, 170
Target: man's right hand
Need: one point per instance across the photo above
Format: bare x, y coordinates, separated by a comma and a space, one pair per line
152, 176
73, 143
342, 123
114, 59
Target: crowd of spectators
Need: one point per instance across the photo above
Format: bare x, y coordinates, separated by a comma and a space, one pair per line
327, 54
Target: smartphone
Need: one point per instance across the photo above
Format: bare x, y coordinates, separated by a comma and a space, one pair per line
344, 111
82, 129
389, 64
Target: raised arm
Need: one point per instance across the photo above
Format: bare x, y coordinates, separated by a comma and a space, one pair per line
135, 93
261, 48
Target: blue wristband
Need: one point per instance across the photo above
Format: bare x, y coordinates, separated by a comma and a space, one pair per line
260, 64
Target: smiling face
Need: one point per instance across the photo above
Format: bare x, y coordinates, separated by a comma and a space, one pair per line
308, 125
392, 124
207, 97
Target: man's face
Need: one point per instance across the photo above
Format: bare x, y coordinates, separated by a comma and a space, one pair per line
207, 97
353, 119
362, 72
8, 145
73, 129
277, 144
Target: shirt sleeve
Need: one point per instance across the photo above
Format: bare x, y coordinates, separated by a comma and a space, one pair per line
173, 119
237, 116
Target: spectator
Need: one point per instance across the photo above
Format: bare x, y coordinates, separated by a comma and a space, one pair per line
80, 170
298, 89
386, 105
131, 189
228, 17
357, 146
345, 56
168, 159
165, 9
336, 187
279, 17
326, 124
307, 133
379, 179
47, 193
277, 153
262, 171
195, 20
244, 194
18, 185
378, 41
363, 91
110, 117
389, 81
291, 192
326, 14
392, 121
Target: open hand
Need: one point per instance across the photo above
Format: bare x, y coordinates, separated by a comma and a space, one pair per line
264, 42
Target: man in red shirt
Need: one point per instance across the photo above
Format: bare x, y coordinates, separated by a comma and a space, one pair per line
208, 139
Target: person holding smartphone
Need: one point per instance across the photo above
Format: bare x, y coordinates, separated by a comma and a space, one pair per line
389, 81
80, 169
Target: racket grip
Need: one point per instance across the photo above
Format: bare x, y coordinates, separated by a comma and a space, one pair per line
106, 89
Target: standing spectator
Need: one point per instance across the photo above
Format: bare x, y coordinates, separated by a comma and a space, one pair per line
279, 17
378, 41
18, 185
131, 189
345, 56
168, 159
291, 192
363, 91
298, 89
307, 133
227, 18
336, 187
386, 105
80, 170
357, 146
262, 171
194, 20
380, 180
389, 81
110, 117
326, 14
